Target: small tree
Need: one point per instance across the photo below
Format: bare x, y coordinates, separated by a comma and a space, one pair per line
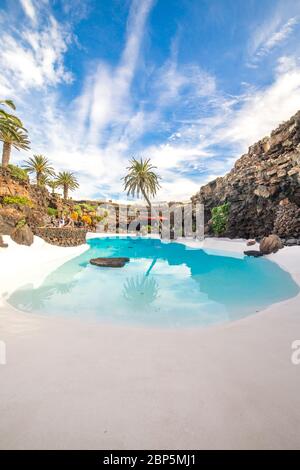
41, 167
52, 183
67, 181
219, 219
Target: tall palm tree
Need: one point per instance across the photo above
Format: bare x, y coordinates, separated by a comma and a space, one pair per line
13, 136
67, 181
141, 179
41, 166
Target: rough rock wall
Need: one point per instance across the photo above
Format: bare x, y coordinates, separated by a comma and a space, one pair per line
10, 186
62, 236
35, 215
267, 174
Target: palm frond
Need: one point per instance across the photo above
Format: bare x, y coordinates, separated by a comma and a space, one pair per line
8, 103
39, 164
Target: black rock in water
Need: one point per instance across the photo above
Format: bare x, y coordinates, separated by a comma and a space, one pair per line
109, 262
254, 253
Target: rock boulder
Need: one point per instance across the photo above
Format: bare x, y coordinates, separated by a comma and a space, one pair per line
22, 235
270, 244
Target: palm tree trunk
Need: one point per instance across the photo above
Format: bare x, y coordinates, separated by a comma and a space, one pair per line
66, 191
146, 197
38, 177
6, 154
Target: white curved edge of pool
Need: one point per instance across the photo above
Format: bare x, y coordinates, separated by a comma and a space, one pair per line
21, 265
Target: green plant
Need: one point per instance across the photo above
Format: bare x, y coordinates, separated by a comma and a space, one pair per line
19, 200
21, 223
52, 212
52, 184
78, 210
18, 173
87, 207
219, 219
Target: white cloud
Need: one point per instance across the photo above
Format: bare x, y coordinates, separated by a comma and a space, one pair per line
271, 34
263, 110
29, 9
183, 84
106, 97
33, 58
280, 35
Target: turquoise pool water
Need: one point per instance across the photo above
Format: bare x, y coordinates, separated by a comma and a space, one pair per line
163, 285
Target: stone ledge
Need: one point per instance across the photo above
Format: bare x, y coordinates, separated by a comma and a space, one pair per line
64, 236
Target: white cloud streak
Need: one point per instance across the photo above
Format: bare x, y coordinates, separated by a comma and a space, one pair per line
106, 97
271, 35
29, 9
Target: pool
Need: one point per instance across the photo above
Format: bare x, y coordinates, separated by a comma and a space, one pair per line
165, 284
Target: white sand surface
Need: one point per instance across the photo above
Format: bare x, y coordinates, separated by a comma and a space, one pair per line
70, 384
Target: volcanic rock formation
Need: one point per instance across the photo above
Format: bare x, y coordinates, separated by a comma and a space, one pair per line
263, 188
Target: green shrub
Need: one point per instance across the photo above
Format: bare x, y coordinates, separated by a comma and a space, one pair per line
219, 219
19, 200
21, 223
78, 210
87, 207
52, 212
18, 173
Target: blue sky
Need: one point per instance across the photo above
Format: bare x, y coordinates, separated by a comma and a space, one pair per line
189, 83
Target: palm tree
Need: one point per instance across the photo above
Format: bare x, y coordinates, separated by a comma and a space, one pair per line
39, 165
52, 183
11, 131
141, 179
67, 181
12, 136
46, 181
7, 120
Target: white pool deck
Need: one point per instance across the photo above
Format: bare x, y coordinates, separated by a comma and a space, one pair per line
70, 384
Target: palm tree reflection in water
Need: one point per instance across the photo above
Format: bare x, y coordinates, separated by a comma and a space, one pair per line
140, 291
30, 299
